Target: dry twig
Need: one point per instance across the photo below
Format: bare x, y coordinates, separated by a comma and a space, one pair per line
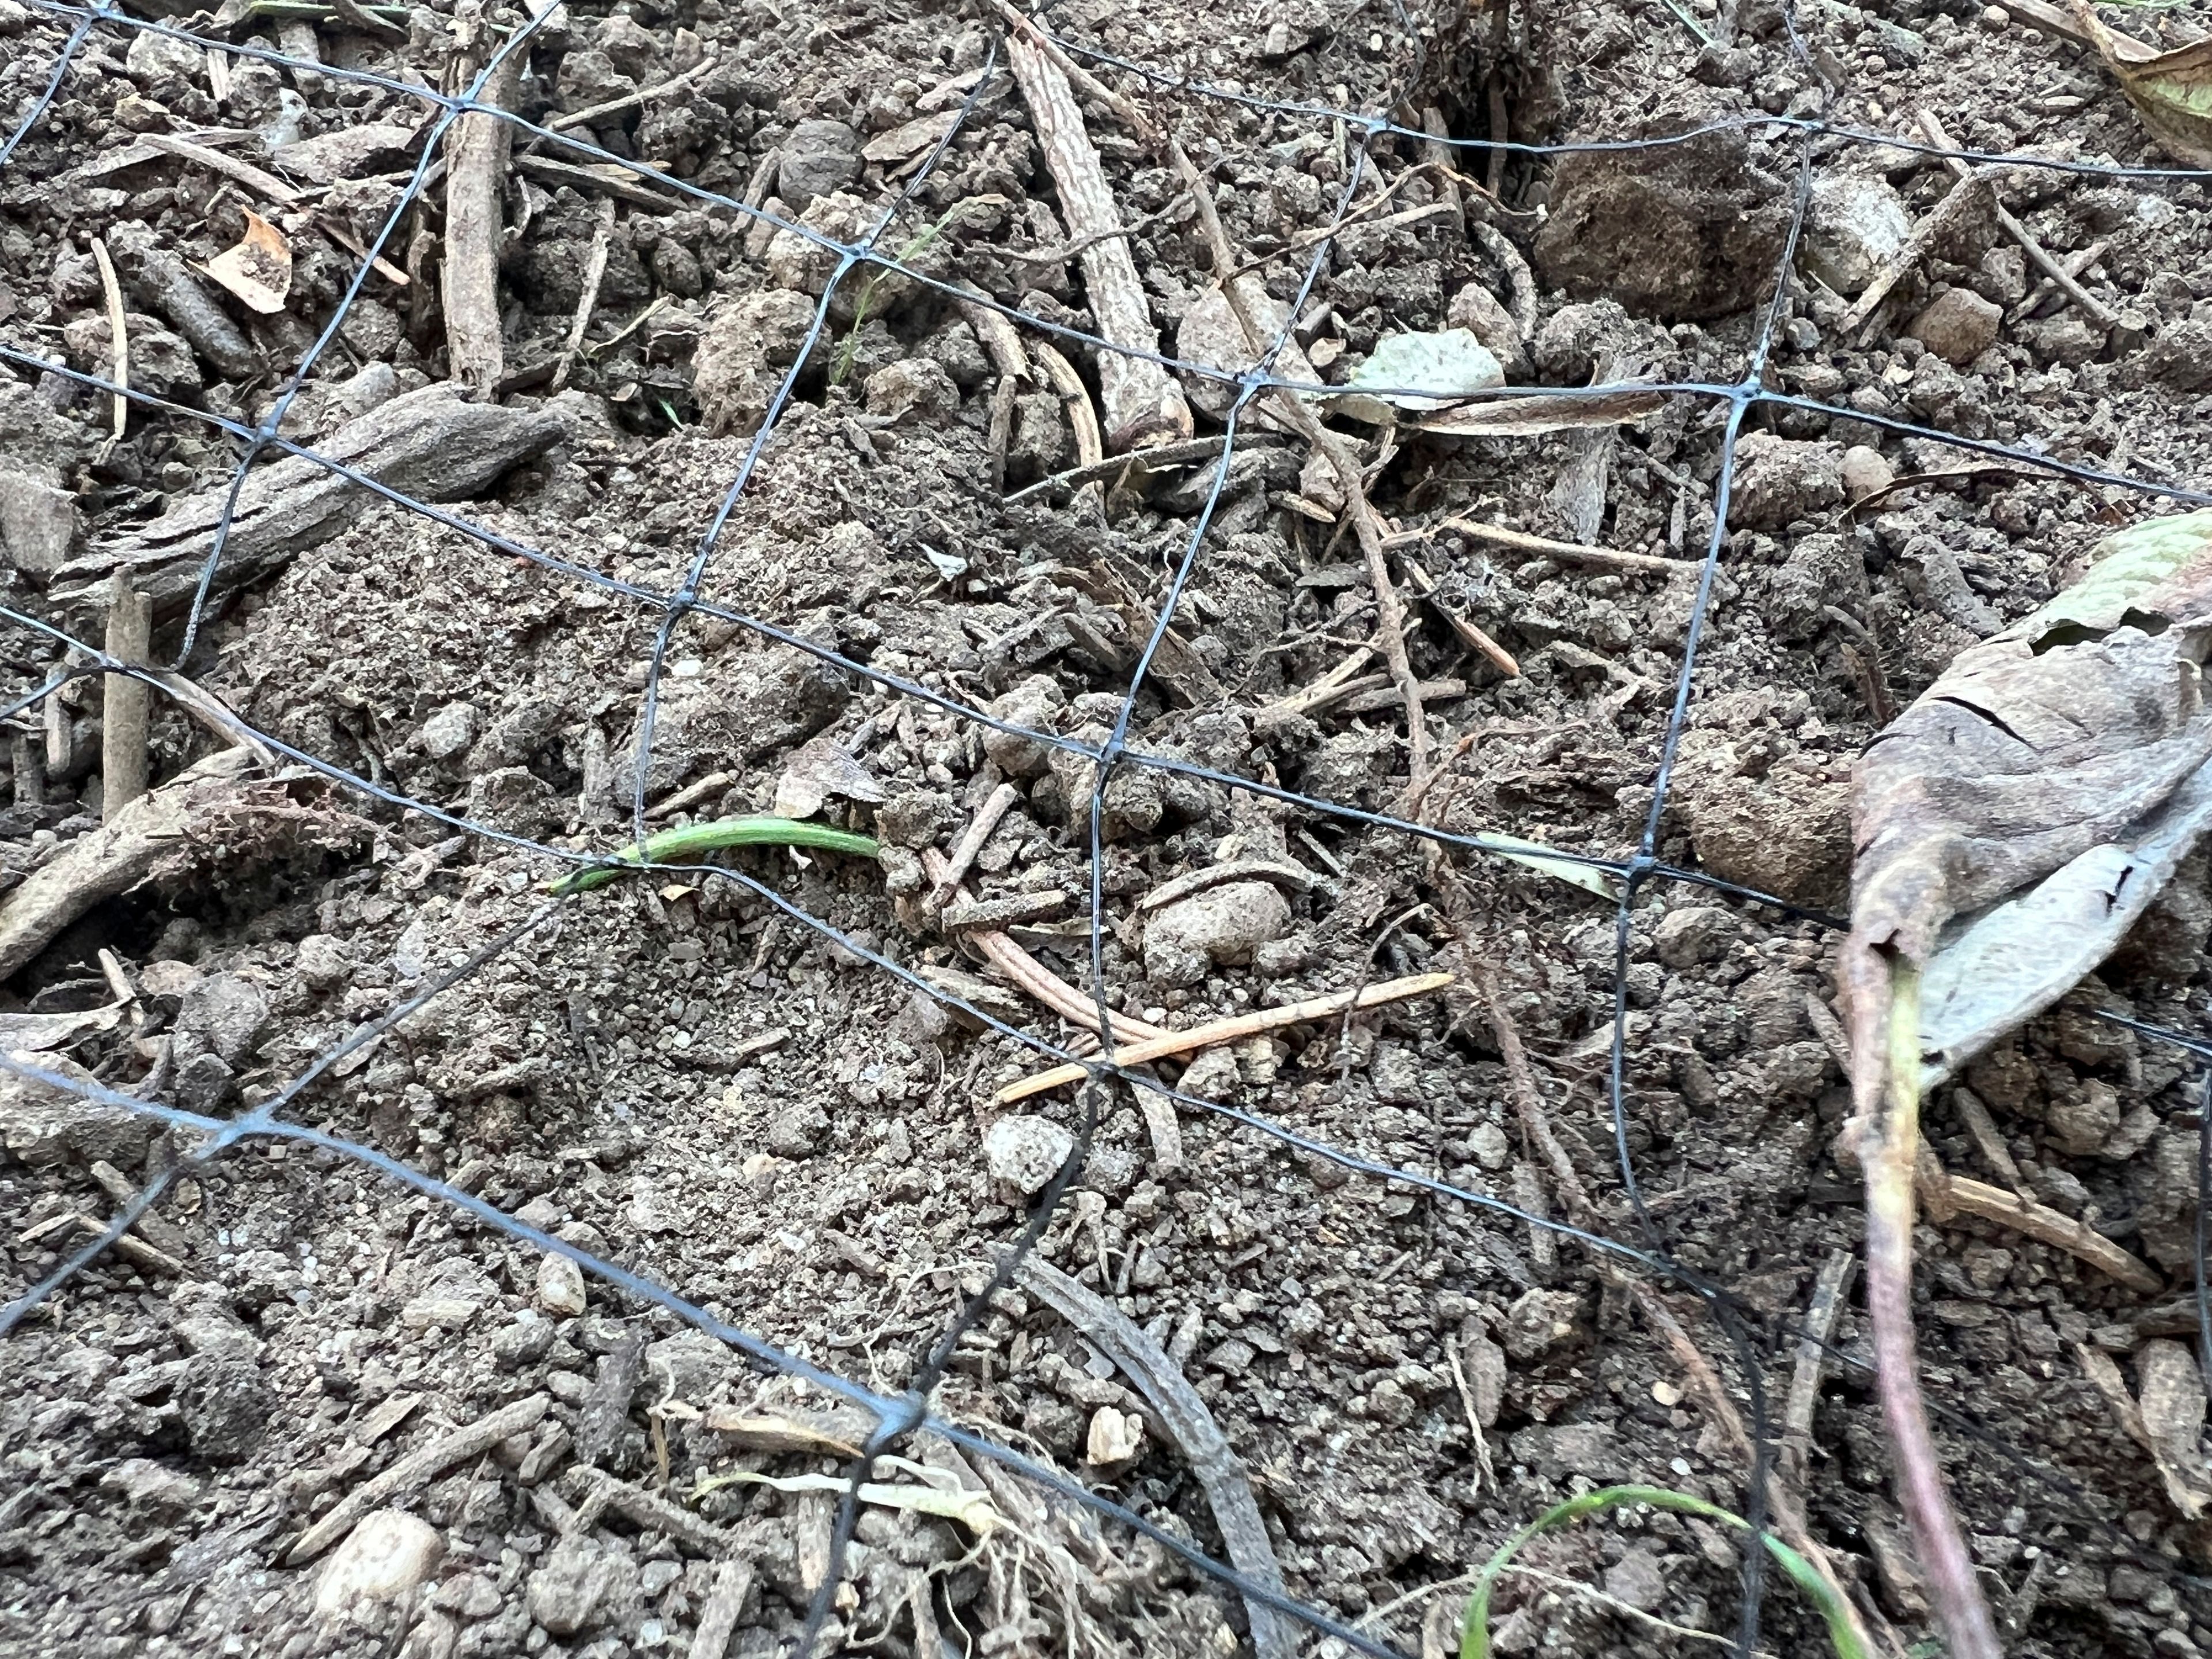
2099, 314
1390, 611
410, 1471
1214, 1033
1543, 547
1031, 976
123, 759
1828, 1292
595, 271
986, 820
119, 344
476, 163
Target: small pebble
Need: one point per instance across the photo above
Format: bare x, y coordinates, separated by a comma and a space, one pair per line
1666, 1394
1024, 1152
1958, 326
1116, 1437
560, 1286
1866, 472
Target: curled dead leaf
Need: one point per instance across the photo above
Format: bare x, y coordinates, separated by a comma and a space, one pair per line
259, 270
2172, 91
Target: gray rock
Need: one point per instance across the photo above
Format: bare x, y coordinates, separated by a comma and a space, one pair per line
1695, 934
1958, 326
38, 441
582, 1585
1780, 480
1538, 1320
1475, 309
1212, 1076
38, 525
1222, 925
1488, 1145
525, 1340
468, 1596
2181, 356
225, 1406
161, 364
1024, 1152
450, 730
512, 799
1853, 227
204, 1083
1680, 232
798, 1129
1033, 703
588, 78
2081, 1126
146, 1485
1559, 1449
1932, 576
2066, 339
912, 385
1866, 471
1636, 1580
223, 1014
323, 961
207, 1327
154, 58
1212, 336
819, 157
688, 1365
913, 816
43, 1126
519, 733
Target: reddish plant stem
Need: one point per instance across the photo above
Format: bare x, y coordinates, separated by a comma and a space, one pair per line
1886, 1006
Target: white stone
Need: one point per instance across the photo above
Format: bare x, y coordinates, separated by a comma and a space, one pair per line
387, 1554
560, 1285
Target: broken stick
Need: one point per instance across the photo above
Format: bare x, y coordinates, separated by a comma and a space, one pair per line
1141, 399
1214, 1033
476, 163
1389, 609
2095, 311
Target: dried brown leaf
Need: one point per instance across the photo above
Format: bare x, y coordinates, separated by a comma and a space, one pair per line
2038, 744
2172, 91
259, 270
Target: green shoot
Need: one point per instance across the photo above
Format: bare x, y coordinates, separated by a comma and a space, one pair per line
1474, 1634
864, 306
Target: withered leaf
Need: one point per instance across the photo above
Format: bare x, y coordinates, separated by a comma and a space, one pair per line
819, 770
259, 270
2172, 91
1533, 417
2011, 823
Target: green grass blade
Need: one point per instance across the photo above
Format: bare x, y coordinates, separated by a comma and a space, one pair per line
1474, 1632
693, 841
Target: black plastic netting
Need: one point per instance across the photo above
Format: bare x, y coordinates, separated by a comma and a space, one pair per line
1805, 129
